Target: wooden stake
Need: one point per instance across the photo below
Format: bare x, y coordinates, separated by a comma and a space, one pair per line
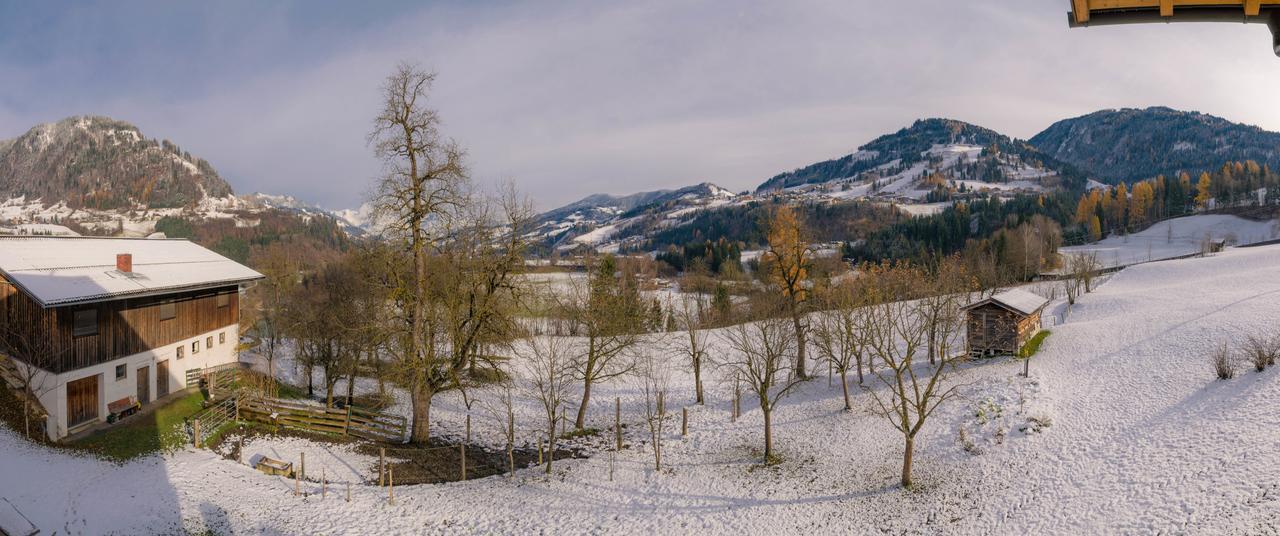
195, 426
240, 457
539, 452
611, 456
304, 465
297, 484
346, 425
382, 466
324, 485
617, 421
684, 422
348, 492
391, 484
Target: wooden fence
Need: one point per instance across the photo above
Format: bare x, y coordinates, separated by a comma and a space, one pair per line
348, 421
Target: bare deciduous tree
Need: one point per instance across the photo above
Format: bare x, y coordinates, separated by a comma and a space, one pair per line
652, 379
424, 180
692, 319
607, 312
34, 355
913, 389
841, 336
548, 365
761, 358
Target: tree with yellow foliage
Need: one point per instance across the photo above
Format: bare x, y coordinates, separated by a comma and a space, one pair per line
1095, 229
789, 258
1203, 195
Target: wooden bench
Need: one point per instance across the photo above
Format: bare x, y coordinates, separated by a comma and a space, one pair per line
122, 408
274, 467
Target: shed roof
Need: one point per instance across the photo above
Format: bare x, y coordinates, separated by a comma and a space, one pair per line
60, 271
1016, 300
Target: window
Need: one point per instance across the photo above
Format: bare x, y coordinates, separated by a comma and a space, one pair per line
85, 323
195, 348
224, 300
208, 342
121, 372
181, 351
222, 338
168, 310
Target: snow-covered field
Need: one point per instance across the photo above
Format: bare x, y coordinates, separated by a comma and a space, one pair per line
1121, 428
1176, 237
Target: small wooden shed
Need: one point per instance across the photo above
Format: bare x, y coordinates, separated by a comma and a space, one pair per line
1003, 323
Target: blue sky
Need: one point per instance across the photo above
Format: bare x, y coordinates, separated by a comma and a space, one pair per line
573, 98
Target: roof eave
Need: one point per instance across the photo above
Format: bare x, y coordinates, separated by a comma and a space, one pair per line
131, 295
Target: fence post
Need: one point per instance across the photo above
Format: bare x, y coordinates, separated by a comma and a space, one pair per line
611, 456
684, 422
240, 457
235, 401
391, 484
304, 465
382, 466
196, 428
539, 451
346, 425
324, 484
297, 485
348, 492
462, 455
617, 421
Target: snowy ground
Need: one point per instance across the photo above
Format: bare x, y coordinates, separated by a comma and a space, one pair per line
1122, 428
1176, 237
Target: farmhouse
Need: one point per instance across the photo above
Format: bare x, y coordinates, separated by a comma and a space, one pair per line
101, 325
1003, 323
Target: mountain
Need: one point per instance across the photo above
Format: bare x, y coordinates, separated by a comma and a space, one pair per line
1133, 144
603, 220
918, 143
99, 162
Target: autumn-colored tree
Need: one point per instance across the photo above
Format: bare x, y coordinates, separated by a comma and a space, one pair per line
789, 258
1203, 190
1095, 229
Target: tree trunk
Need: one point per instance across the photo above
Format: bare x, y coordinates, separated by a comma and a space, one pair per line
844, 384
908, 451
768, 434
26, 414
697, 383
581, 421
311, 389
800, 364
421, 416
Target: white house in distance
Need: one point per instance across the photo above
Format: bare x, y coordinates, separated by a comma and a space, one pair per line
109, 321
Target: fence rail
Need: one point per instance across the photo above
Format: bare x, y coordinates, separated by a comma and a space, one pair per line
349, 421
205, 424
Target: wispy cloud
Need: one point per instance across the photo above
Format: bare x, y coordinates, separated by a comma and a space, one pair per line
591, 97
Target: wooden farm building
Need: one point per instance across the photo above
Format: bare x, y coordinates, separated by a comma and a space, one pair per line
101, 325
1003, 323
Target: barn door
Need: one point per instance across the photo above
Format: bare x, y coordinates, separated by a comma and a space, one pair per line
82, 401
144, 385
162, 378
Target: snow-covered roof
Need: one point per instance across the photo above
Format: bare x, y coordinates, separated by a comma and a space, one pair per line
1018, 301
66, 270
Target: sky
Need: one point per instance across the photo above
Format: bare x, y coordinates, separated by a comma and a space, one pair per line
568, 99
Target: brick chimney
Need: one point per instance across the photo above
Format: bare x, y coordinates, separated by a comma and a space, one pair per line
124, 262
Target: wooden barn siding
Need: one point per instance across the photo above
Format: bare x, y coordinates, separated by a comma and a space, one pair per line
125, 327
999, 330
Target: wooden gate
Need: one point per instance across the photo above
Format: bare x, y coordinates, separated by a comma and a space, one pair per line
162, 378
144, 385
82, 401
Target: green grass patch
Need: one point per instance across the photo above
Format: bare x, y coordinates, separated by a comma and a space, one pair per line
1033, 345
585, 432
158, 431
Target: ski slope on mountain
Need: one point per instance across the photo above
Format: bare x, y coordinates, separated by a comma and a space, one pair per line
1137, 437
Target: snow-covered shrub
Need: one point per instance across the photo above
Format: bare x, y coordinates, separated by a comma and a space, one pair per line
1223, 364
